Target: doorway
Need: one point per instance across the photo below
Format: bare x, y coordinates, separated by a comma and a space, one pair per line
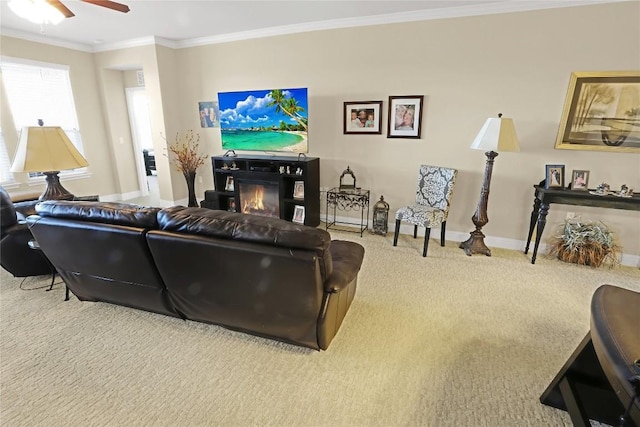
140, 123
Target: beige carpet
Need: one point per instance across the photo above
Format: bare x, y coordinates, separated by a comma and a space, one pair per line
449, 340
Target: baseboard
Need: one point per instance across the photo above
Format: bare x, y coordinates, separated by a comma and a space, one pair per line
629, 260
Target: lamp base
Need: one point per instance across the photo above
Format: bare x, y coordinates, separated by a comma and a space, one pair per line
55, 190
475, 244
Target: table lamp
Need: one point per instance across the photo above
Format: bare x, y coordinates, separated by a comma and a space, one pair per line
47, 149
497, 134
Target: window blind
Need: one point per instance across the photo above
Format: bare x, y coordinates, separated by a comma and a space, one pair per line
41, 91
5, 163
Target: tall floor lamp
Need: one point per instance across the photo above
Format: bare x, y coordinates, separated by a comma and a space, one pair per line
497, 134
49, 150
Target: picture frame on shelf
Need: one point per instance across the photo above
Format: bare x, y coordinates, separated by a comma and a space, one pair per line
298, 190
554, 177
231, 204
580, 180
298, 214
601, 112
362, 117
405, 116
229, 184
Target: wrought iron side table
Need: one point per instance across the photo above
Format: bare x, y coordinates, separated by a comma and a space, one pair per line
352, 199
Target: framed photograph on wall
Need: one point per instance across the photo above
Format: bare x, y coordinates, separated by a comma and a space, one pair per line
209, 114
580, 180
229, 184
361, 117
554, 177
405, 116
298, 214
298, 190
601, 112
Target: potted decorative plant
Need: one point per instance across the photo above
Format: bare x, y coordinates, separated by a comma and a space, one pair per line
585, 243
186, 159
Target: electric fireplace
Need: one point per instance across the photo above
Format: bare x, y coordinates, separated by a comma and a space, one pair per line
258, 197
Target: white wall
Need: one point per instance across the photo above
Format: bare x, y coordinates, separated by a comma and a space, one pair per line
468, 69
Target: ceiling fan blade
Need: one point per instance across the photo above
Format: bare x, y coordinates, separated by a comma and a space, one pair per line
61, 8
109, 5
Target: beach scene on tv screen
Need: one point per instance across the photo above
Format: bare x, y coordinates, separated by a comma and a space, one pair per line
264, 120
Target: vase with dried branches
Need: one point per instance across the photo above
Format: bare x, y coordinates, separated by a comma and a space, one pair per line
186, 159
585, 243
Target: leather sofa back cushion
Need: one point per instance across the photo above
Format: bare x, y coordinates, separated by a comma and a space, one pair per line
101, 212
249, 228
8, 215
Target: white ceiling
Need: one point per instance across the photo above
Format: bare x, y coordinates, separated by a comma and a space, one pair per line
185, 23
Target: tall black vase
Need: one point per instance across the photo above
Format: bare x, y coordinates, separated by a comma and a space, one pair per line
191, 186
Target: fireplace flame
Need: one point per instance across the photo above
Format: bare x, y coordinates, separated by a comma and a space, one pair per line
255, 203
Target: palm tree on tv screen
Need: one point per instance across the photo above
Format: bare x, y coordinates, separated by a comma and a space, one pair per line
289, 106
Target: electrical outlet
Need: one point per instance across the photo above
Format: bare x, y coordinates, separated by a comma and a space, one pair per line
200, 179
571, 215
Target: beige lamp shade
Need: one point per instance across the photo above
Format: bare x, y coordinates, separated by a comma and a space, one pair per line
46, 149
497, 134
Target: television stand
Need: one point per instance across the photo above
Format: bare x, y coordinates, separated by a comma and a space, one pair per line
297, 179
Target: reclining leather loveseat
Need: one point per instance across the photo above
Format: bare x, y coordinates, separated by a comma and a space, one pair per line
15, 254
259, 275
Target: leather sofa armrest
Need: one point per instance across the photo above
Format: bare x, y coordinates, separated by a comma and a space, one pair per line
347, 259
26, 208
22, 228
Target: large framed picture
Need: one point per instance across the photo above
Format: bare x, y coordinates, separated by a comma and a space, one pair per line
554, 177
580, 180
298, 214
405, 116
601, 112
362, 117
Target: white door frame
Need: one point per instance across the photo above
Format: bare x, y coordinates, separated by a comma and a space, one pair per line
134, 123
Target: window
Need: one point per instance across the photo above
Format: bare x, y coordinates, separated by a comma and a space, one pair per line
5, 163
38, 90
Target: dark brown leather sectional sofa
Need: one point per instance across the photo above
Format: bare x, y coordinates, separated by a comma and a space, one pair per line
259, 275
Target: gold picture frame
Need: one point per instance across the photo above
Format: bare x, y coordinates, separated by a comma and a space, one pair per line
601, 112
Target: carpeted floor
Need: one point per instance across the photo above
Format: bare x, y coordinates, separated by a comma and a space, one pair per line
447, 340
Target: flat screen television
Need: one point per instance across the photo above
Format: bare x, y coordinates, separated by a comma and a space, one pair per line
264, 120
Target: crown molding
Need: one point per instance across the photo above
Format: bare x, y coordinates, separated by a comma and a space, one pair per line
394, 18
41, 38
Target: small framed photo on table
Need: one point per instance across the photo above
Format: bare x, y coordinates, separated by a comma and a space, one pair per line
580, 180
229, 185
554, 177
362, 117
298, 215
405, 116
298, 190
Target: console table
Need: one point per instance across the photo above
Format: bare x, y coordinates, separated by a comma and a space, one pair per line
352, 199
544, 197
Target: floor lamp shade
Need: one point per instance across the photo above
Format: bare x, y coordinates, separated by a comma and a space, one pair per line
49, 150
497, 134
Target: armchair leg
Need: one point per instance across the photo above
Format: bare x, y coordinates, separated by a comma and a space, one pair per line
415, 231
443, 228
426, 241
395, 234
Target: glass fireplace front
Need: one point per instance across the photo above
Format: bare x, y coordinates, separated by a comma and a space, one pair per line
258, 198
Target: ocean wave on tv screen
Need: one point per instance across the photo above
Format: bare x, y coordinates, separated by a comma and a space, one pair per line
260, 140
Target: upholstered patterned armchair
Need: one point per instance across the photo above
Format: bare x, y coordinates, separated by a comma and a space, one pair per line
433, 198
